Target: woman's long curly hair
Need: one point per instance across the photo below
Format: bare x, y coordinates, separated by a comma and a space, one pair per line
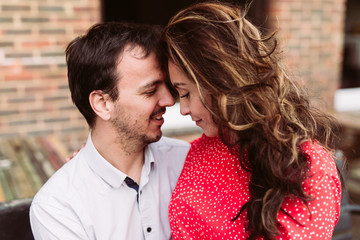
260, 111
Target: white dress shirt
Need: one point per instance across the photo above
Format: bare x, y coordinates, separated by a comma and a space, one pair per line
88, 198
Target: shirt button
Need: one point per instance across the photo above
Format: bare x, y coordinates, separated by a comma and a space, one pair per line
148, 229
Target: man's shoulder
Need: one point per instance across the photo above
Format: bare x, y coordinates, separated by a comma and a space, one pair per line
64, 182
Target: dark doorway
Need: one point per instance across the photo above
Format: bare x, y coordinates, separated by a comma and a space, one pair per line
351, 62
160, 11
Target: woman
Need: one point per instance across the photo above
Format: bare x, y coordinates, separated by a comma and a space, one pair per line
263, 167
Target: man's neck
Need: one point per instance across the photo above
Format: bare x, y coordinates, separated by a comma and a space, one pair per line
128, 160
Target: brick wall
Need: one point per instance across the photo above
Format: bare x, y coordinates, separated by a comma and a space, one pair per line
34, 96
312, 33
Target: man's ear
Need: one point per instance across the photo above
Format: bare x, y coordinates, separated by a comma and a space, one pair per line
101, 103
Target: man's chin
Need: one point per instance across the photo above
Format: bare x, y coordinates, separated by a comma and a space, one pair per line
154, 138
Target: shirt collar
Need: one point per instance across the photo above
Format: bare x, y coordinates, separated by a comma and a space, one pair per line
111, 175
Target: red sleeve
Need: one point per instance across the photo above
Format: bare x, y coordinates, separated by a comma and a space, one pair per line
323, 185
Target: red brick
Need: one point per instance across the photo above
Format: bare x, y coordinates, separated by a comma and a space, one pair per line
36, 44
19, 76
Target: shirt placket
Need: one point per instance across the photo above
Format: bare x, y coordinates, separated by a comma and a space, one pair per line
146, 207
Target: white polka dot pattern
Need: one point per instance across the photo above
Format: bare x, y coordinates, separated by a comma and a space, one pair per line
213, 187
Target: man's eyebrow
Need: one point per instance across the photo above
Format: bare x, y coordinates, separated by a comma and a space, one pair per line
149, 85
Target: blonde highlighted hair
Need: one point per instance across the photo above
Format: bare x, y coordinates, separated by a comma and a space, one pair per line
257, 106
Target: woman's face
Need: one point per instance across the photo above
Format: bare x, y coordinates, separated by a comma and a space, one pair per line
190, 102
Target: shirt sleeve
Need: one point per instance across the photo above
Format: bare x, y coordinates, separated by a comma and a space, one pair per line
51, 222
318, 219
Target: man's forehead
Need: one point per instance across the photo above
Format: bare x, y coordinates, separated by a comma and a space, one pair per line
133, 64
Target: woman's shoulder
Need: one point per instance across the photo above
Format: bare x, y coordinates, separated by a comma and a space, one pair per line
319, 158
322, 168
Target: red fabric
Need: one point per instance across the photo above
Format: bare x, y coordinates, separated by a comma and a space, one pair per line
212, 188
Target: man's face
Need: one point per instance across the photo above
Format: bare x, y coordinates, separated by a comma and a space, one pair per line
143, 97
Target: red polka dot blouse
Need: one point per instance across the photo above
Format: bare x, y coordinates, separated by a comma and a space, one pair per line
213, 187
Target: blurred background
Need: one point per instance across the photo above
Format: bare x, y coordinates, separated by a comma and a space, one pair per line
40, 127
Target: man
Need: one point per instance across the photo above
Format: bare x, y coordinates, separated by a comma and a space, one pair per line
119, 185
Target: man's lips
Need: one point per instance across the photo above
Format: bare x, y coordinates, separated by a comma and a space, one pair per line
158, 113
158, 117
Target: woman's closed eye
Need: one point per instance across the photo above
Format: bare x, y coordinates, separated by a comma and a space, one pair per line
185, 95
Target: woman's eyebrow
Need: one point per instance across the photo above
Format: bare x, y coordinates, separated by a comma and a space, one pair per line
179, 84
